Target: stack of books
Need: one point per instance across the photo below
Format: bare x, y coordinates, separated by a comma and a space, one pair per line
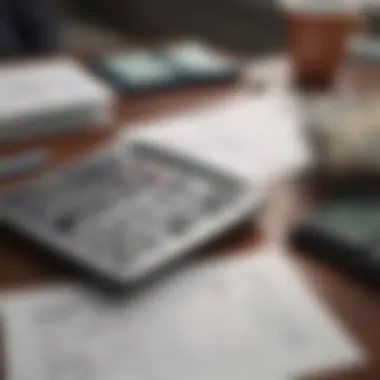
51, 97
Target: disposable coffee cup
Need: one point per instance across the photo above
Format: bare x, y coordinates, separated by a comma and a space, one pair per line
318, 33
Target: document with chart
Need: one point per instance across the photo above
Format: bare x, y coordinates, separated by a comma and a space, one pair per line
243, 319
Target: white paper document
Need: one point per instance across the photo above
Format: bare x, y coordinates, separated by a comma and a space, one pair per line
271, 73
260, 139
236, 320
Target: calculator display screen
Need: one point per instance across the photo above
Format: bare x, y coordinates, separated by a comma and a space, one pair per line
356, 219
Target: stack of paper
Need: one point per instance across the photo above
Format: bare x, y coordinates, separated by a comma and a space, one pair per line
261, 139
235, 320
49, 97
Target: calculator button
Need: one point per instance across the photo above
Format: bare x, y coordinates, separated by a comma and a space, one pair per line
120, 252
129, 242
213, 204
200, 188
144, 241
124, 186
93, 236
93, 204
15, 200
177, 182
181, 217
165, 197
86, 208
33, 202
130, 183
95, 172
66, 222
208, 197
179, 224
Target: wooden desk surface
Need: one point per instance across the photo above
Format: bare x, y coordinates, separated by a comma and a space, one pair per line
357, 307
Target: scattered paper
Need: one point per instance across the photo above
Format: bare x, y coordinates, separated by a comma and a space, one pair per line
293, 317
260, 139
241, 320
272, 73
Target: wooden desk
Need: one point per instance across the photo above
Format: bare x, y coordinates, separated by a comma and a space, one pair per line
358, 308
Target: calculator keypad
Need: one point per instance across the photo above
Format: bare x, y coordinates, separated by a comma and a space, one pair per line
119, 213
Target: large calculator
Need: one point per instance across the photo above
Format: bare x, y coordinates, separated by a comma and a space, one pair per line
125, 213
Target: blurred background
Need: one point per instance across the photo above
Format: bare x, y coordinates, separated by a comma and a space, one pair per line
252, 26
219, 79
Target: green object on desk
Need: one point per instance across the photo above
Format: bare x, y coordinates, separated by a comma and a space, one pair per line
138, 72
355, 218
170, 67
196, 59
141, 68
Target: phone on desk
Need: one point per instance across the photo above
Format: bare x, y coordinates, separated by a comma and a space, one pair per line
124, 214
345, 231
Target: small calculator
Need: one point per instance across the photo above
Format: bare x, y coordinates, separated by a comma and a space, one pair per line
125, 213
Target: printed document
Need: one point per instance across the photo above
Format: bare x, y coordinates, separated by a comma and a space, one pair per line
238, 319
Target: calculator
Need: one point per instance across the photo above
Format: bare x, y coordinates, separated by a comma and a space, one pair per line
125, 213
345, 231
